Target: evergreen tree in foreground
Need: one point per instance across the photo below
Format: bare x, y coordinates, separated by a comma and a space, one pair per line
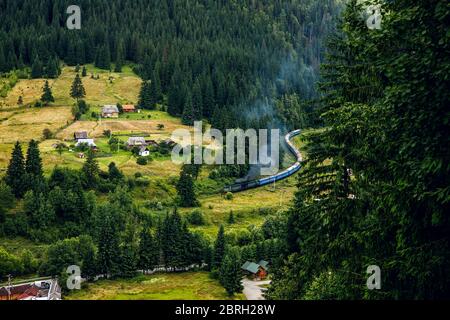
230, 272
148, 251
90, 170
15, 174
33, 166
47, 95
219, 249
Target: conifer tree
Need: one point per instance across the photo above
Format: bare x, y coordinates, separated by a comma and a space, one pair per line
47, 95
230, 272
77, 90
188, 117
90, 170
84, 72
219, 249
33, 164
148, 251
145, 97
37, 68
185, 189
15, 174
108, 244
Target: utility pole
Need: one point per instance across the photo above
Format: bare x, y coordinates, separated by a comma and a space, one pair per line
8, 288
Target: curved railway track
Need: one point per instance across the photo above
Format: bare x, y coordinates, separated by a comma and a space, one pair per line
237, 187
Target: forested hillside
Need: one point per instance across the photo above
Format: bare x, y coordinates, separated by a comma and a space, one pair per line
203, 56
375, 189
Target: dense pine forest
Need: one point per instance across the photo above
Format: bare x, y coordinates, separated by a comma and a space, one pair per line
205, 57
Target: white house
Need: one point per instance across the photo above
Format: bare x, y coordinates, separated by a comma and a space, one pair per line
89, 142
144, 152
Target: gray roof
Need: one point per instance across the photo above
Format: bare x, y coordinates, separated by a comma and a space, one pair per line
251, 267
136, 140
90, 142
81, 135
110, 109
264, 264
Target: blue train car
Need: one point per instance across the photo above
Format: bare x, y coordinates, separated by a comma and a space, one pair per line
279, 176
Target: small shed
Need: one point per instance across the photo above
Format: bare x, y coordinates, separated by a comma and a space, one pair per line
128, 108
254, 270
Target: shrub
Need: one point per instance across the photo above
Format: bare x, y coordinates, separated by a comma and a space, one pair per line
229, 196
142, 161
196, 218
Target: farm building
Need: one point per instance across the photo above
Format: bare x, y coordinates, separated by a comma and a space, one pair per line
144, 152
80, 135
136, 142
38, 290
152, 143
128, 108
110, 111
256, 270
89, 142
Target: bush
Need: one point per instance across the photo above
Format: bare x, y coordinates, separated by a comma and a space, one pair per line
47, 134
142, 182
229, 196
196, 218
138, 175
142, 161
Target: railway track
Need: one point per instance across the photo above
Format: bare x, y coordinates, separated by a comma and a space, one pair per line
237, 187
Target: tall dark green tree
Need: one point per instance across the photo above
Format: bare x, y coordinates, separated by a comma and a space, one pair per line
15, 174
47, 95
230, 272
185, 189
148, 251
219, 249
90, 170
77, 90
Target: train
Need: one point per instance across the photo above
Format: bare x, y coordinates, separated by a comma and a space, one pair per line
237, 187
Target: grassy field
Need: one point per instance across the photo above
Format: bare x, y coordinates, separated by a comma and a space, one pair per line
175, 286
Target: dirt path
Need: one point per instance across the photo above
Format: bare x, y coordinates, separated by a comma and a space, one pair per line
253, 289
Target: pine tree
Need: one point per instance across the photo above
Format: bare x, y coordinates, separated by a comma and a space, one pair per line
84, 72
219, 249
185, 189
77, 90
120, 57
15, 174
148, 251
90, 170
197, 100
188, 117
47, 95
33, 166
37, 68
145, 97
108, 243
51, 69
230, 272
155, 90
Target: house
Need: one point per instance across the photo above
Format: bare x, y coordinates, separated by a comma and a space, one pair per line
144, 152
136, 142
80, 135
169, 142
38, 290
255, 270
128, 108
152, 143
89, 142
110, 111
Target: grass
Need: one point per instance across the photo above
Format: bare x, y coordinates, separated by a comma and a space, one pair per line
174, 286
